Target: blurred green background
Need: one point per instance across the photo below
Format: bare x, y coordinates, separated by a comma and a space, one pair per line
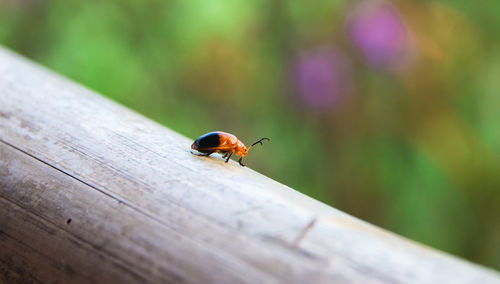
387, 110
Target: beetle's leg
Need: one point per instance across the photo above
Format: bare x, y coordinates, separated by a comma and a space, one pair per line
239, 161
227, 160
225, 155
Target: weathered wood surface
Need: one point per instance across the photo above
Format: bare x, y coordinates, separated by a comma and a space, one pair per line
93, 192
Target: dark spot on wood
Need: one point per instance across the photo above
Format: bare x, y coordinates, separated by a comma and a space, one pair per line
6, 115
68, 221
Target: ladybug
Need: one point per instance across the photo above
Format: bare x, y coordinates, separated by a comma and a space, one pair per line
222, 142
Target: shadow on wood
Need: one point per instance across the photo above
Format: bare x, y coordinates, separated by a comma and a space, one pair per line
93, 192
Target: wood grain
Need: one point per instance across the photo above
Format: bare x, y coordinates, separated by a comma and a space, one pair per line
93, 192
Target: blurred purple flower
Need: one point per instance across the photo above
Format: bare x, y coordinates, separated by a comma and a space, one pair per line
377, 29
323, 78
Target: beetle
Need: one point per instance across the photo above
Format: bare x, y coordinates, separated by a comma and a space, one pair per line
224, 143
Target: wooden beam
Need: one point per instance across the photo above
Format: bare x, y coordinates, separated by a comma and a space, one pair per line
93, 192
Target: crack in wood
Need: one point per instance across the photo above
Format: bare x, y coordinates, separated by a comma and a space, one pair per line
83, 182
302, 234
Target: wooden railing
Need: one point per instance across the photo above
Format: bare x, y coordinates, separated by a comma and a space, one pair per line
93, 192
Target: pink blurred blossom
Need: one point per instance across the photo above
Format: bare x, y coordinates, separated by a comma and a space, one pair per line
323, 77
378, 31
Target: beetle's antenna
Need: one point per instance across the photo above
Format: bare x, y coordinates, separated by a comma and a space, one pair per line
260, 141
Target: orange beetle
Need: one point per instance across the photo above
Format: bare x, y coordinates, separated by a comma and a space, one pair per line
222, 142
